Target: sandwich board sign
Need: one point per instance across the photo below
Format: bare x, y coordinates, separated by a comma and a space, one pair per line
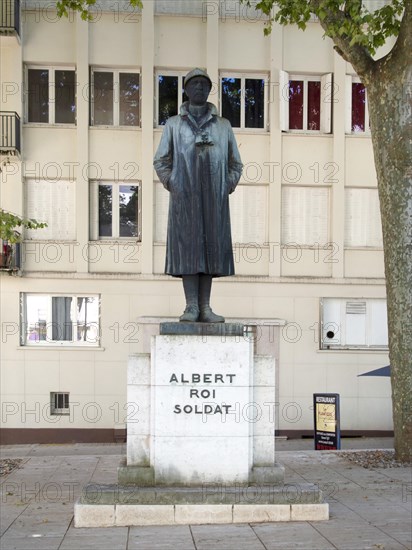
327, 421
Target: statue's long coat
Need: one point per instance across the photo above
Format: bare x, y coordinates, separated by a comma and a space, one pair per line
199, 178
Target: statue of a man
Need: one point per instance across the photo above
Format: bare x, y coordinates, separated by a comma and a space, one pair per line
198, 162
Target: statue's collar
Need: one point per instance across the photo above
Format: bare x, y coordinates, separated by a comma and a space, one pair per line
211, 112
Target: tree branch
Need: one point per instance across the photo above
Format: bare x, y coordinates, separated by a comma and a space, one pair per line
356, 54
356, 4
403, 47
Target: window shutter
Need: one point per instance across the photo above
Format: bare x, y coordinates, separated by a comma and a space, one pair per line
305, 215
62, 198
249, 214
326, 100
52, 202
348, 104
378, 323
94, 211
38, 207
363, 225
355, 323
178, 7
284, 100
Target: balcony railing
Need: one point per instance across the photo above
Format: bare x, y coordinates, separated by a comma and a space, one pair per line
10, 133
10, 258
10, 17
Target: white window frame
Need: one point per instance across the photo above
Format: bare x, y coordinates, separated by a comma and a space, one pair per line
349, 80
326, 100
116, 95
49, 342
338, 325
180, 88
94, 210
243, 77
52, 87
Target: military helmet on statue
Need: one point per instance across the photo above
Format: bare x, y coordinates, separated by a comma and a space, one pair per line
197, 72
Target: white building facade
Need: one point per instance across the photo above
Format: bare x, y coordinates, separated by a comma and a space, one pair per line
83, 105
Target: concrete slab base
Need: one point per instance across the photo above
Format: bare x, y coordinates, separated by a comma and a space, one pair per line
131, 515
212, 503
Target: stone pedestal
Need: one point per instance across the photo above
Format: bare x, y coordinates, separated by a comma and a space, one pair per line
206, 409
200, 435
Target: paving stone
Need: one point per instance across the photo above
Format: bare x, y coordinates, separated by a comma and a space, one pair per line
109, 538
260, 513
292, 536
225, 537
348, 536
30, 543
173, 537
368, 508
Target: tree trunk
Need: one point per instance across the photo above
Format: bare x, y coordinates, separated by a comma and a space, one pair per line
390, 110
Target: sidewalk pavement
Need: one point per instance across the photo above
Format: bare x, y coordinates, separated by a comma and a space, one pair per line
369, 509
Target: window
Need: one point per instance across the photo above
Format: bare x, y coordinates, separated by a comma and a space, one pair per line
305, 102
363, 226
244, 99
170, 94
305, 215
115, 98
353, 323
51, 95
52, 202
357, 114
115, 210
60, 320
59, 403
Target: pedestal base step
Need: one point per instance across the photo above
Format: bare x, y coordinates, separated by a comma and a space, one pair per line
113, 505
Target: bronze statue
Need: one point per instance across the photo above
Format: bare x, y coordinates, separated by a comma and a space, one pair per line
198, 162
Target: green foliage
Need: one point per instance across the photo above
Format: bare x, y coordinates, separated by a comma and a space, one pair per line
10, 222
350, 19
84, 6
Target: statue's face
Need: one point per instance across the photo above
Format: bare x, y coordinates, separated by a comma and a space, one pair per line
197, 90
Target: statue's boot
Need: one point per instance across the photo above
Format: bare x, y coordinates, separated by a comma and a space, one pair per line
191, 288
206, 313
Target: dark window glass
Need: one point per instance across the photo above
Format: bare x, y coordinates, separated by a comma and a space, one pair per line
128, 99
103, 98
38, 95
61, 400
184, 96
65, 98
313, 105
358, 107
168, 92
128, 210
296, 104
231, 97
105, 210
254, 103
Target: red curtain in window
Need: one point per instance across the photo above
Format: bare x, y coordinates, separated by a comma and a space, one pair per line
296, 104
313, 105
358, 107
